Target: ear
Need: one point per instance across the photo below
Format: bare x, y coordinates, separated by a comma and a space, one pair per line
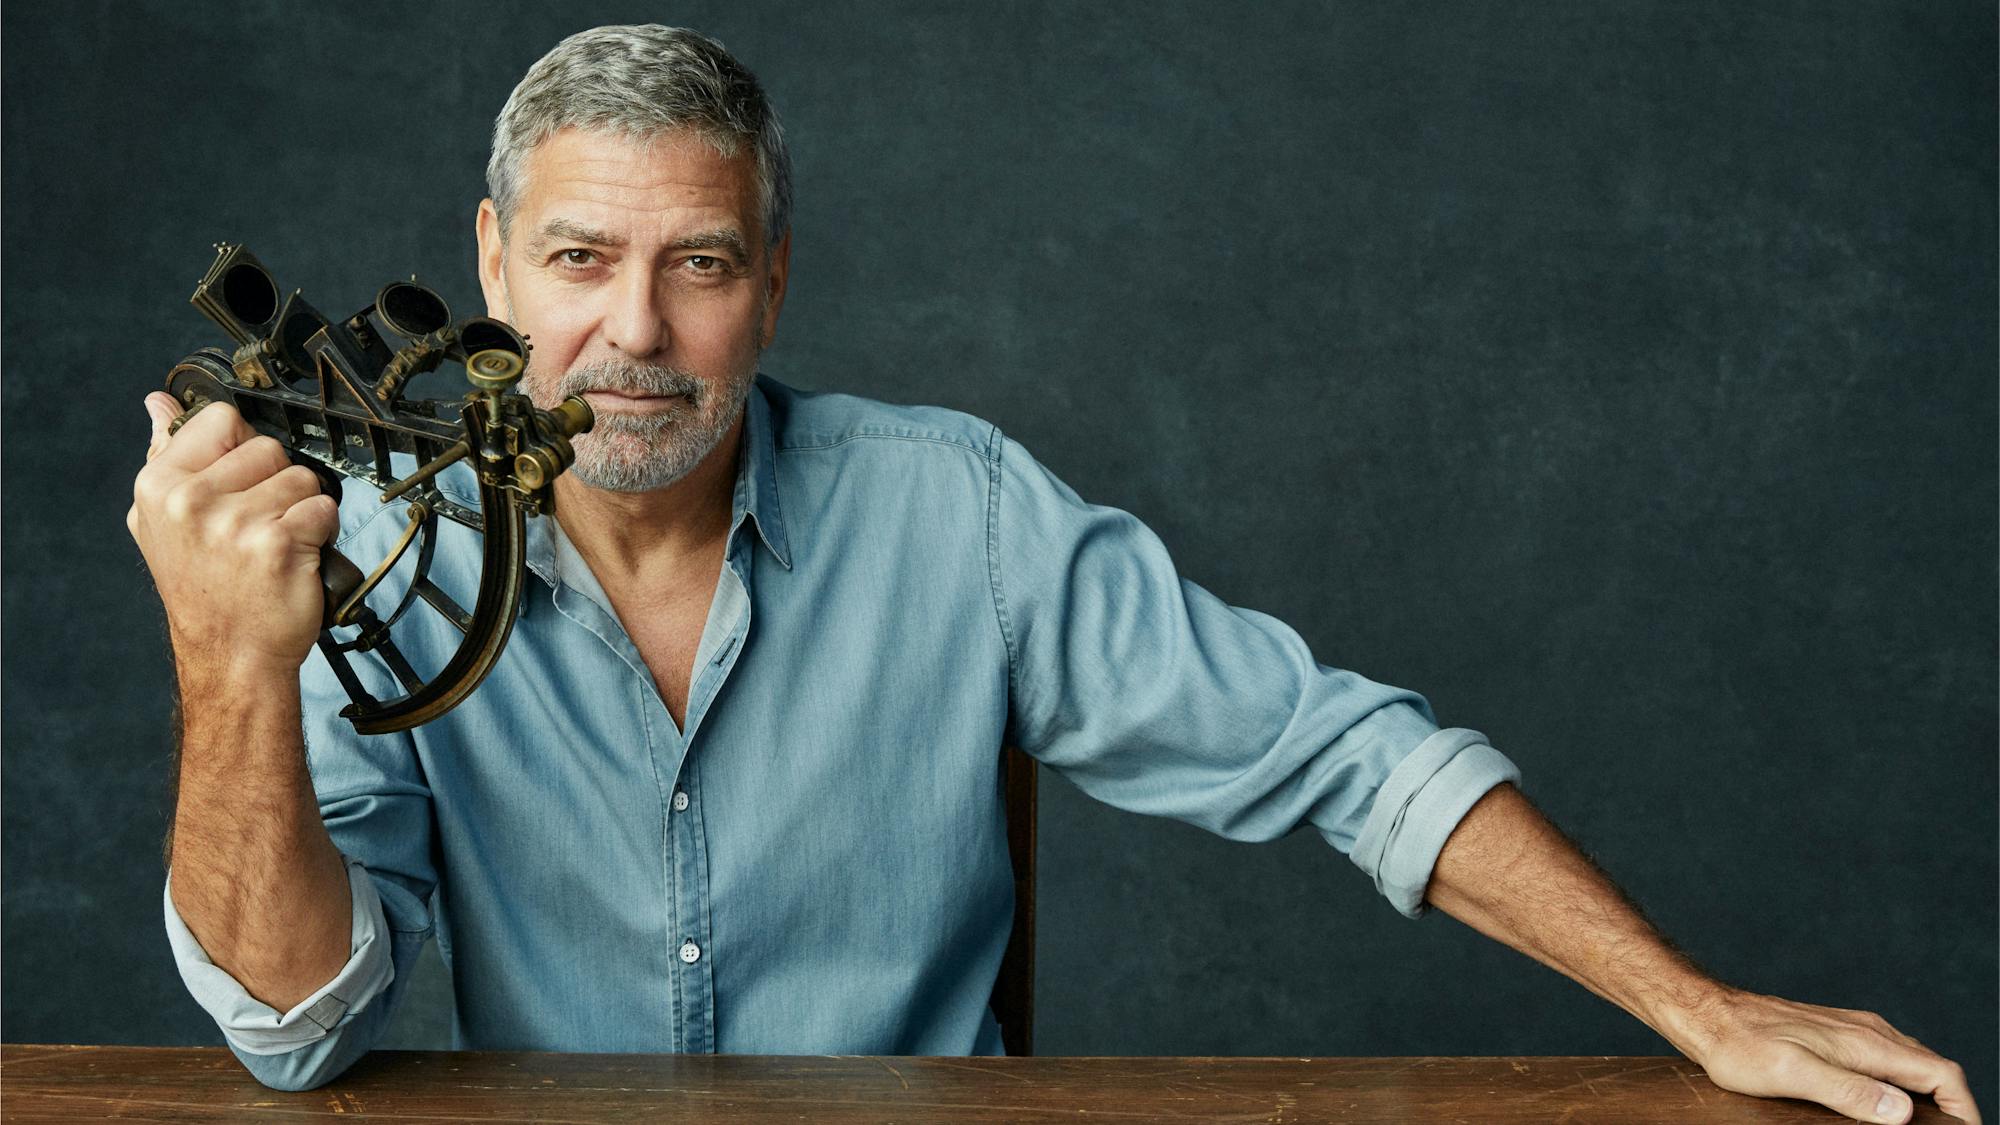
492, 255
780, 272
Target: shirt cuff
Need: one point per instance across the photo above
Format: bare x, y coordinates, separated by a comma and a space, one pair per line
1417, 807
252, 1026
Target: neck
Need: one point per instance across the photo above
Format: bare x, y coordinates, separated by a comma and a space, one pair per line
627, 534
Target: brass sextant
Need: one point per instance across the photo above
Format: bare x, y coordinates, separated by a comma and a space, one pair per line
332, 392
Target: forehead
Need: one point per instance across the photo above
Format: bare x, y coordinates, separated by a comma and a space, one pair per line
631, 184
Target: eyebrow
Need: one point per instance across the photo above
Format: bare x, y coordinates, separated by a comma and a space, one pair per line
569, 230
719, 238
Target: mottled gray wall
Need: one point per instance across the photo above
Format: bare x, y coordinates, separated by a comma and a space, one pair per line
1619, 375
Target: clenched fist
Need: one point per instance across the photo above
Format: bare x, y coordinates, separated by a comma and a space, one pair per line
231, 531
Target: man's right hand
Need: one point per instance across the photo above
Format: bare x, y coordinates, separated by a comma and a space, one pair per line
231, 531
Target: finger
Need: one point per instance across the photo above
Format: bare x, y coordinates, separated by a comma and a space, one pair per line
312, 520
278, 492
1924, 1072
1858, 1096
1955, 1097
1913, 1067
205, 437
248, 464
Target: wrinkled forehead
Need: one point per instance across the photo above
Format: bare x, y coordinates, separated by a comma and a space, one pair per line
605, 178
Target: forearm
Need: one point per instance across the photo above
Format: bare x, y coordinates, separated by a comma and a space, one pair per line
255, 875
1508, 873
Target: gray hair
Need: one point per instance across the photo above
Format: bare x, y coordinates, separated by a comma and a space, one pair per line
638, 81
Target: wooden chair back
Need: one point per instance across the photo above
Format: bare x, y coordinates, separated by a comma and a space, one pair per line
1014, 989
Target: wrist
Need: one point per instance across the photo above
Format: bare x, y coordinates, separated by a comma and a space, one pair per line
235, 711
221, 673
1694, 1016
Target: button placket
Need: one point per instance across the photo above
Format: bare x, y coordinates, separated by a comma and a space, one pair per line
691, 913
694, 984
732, 600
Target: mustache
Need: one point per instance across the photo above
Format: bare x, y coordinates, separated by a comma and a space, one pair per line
631, 379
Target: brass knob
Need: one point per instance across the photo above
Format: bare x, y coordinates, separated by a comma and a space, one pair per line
537, 467
572, 416
531, 470
495, 369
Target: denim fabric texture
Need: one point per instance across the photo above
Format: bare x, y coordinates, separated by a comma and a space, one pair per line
818, 862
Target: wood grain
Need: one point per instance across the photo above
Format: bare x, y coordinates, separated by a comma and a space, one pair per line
44, 1083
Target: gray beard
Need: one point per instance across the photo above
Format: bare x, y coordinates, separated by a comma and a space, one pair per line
640, 452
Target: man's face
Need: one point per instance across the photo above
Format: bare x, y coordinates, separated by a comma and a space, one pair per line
640, 272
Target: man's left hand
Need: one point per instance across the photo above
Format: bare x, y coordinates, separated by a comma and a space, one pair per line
1771, 1047
1508, 873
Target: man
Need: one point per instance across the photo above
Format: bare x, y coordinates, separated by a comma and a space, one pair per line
733, 786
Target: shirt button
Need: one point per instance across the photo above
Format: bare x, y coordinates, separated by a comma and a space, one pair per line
680, 801
690, 952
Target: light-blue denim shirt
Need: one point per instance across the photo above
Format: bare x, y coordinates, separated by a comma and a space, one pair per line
818, 864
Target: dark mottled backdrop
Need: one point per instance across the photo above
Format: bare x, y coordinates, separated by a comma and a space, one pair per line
1619, 375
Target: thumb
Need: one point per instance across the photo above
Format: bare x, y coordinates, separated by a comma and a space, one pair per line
162, 410
1856, 1095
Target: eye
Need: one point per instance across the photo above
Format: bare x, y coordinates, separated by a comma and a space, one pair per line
702, 263
575, 257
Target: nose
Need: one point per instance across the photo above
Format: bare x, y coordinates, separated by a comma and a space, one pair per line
636, 322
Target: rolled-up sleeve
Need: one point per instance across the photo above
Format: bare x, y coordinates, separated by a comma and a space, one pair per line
254, 1027
1155, 696
1414, 811
376, 804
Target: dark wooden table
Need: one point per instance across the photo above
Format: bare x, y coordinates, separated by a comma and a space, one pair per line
204, 1084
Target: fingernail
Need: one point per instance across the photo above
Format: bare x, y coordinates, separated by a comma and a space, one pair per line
1891, 1103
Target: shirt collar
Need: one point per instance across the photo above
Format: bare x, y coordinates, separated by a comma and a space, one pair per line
754, 498
757, 477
